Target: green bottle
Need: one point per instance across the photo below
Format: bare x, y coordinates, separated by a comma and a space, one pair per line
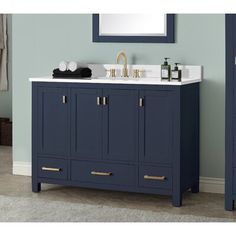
165, 70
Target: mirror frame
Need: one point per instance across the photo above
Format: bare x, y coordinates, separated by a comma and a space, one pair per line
169, 38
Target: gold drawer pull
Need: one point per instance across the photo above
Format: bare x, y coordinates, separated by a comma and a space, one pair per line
101, 173
51, 169
162, 178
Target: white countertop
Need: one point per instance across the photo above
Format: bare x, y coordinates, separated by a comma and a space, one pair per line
105, 80
150, 75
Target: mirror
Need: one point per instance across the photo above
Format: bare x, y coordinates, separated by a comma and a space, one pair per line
133, 28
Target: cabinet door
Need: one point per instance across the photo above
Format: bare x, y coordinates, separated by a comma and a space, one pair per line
53, 121
155, 129
86, 123
234, 141
120, 122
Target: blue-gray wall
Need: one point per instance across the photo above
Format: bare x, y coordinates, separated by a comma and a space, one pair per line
6, 96
41, 41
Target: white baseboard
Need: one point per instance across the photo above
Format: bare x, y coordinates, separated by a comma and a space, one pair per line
21, 168
212, 185
207, 184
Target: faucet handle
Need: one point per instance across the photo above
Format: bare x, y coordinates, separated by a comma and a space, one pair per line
136, 73
112, 72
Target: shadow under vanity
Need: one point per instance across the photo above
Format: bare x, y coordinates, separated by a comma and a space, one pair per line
136, 135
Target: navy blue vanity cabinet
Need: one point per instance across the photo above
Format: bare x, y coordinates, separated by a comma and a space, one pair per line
136, 138
86, 123
120, 124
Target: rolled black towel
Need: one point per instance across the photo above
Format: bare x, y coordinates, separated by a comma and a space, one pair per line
79, 73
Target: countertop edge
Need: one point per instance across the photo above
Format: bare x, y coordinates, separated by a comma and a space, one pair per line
102, 81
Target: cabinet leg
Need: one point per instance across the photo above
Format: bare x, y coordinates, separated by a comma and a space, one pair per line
229, 204
177, 200
36, 187
195, 188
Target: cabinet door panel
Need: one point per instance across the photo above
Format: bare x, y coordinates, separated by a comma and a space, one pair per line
120, 124
234, 141
156, 131
53, 121
234, 180
86, 124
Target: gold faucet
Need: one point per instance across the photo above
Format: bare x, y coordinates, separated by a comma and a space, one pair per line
125, 68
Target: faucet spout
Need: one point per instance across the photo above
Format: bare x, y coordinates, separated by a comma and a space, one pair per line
125, 68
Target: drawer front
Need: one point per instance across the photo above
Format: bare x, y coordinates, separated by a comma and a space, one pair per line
52, 168
94, 172
155, 177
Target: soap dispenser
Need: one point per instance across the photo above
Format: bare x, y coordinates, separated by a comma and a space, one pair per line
165, 70
176, 74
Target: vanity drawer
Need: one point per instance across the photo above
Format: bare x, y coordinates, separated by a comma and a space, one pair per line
155, 177
52, 168
103, 173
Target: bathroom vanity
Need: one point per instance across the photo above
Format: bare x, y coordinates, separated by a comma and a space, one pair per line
137, 135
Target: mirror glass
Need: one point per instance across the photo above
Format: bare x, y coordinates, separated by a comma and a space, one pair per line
132, 24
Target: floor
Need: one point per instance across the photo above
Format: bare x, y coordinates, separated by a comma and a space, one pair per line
201, 204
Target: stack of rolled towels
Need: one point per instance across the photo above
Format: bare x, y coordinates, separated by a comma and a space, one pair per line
72, 69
